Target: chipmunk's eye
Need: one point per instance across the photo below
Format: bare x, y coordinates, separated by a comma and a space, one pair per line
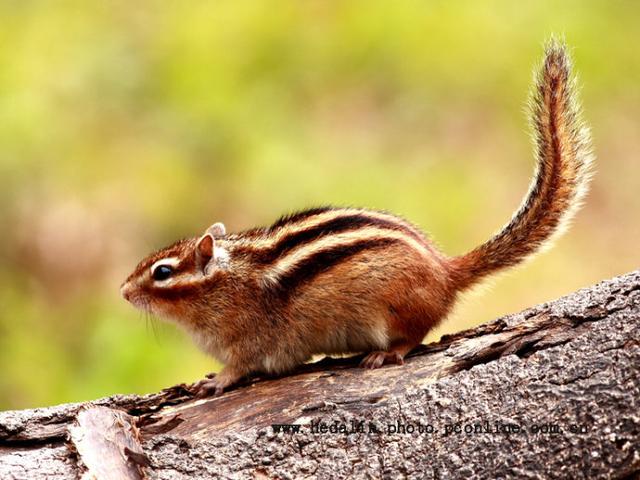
162, 272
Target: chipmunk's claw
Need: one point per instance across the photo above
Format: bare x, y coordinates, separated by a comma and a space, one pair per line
214, 385
208, 387
379, 358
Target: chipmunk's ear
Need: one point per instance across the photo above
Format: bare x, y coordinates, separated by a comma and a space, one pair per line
206, 246
217, 230
205, 249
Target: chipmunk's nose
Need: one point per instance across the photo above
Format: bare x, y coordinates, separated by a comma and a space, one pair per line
125, 290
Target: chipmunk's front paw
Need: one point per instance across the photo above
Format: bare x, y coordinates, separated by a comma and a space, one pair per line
215, 385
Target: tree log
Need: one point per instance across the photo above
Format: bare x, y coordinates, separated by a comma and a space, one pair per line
550, 392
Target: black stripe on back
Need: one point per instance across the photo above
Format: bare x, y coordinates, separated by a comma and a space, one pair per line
281, 222
333, 226
298, 216
322, 261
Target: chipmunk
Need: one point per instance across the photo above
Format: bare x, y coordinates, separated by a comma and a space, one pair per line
346, 280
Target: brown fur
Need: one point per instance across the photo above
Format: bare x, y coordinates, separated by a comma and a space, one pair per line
331, 280
564, 157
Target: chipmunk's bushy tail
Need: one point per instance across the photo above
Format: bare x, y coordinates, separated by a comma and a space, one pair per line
561, 180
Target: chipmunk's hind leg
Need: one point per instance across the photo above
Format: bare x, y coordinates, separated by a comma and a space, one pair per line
395, 355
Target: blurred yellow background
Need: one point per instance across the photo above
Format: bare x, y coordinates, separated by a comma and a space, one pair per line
127, 125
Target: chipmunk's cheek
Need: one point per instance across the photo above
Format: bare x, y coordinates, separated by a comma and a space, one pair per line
173, 311
161, 308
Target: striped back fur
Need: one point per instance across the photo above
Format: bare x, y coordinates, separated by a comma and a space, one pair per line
301, 246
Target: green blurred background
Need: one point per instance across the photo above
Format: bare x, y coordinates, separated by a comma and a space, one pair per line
127, 125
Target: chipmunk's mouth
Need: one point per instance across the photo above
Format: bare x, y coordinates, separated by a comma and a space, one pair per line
131, 294
140, 300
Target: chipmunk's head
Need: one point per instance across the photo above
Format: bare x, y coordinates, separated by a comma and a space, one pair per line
167, 282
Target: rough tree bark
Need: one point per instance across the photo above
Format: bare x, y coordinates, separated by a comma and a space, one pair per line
551, 392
